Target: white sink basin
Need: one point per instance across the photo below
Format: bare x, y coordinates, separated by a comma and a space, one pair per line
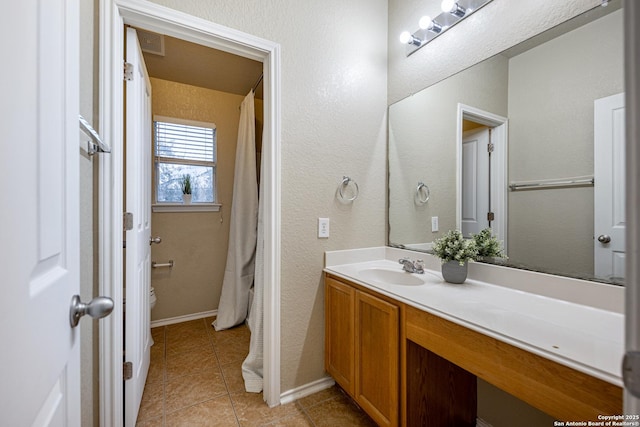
391, 277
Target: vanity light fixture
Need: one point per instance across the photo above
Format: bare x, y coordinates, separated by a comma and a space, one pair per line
453, 11
452, 7
426, 23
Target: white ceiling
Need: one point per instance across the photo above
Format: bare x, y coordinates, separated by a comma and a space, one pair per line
197, 65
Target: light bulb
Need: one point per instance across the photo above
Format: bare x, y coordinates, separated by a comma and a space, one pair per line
451, 6
407, 38
448, 5
426, 23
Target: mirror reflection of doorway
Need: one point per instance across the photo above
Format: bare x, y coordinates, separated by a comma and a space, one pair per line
609, 188
482, 172
476, 178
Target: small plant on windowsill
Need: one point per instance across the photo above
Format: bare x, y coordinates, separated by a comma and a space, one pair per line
186, 189
488, 246
455, 252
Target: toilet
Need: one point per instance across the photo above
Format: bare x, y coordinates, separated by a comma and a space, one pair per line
152, 298
152, 303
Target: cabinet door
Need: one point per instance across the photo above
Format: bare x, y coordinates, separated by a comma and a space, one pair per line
339, 333
377, 368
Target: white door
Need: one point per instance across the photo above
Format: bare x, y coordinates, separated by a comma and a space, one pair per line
39, 160
609, 187
475, 181
138, 251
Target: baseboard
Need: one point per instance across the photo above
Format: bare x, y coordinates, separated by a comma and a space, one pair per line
185, 318
305, 390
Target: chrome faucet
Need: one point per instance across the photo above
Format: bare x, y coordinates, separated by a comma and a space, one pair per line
412, 266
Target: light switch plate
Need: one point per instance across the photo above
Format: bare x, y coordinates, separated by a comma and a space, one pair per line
323, 228
434, 224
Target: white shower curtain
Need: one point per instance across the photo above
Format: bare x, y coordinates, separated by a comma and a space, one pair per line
239, 271
252, 367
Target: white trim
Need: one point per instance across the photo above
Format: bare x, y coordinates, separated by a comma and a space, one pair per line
110, 217
185, 318
144, 14
306, 390
499, 170
632, 135
482, 423
272, 216
179, 207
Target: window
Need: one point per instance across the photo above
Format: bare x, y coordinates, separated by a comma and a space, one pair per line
184, 148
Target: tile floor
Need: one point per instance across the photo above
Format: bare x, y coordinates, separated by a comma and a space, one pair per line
195, 379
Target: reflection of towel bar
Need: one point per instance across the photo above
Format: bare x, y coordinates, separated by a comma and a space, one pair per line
420, 189
162, 264
540, 185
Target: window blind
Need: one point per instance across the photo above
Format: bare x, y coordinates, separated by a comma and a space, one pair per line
185, 142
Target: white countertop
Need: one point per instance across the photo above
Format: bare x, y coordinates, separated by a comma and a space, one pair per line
588, 339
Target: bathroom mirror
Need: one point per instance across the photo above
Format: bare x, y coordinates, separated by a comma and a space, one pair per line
554, 182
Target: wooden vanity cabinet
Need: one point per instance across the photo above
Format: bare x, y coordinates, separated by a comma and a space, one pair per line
362, 331
388, 355
339, 349
555, 389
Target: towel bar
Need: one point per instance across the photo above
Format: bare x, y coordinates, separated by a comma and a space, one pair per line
162, 264
96, 145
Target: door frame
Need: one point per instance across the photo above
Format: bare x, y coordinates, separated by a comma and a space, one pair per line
499, 135
114, 15
632, 135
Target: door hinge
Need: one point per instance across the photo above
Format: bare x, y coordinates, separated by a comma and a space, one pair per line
490, 216
128, 71
490, 147
127, 221
127, 370
631, 372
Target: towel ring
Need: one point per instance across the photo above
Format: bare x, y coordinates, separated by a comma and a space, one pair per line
345, 182
420, 189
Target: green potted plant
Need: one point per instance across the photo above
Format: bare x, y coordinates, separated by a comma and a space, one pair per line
455, 252
186, 189
488, 246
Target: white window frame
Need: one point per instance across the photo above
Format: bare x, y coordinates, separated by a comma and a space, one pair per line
179, 207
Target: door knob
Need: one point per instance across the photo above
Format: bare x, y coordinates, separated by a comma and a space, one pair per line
603, 238
97, 308
155, 240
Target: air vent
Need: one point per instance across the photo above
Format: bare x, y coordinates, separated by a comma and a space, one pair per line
151, 42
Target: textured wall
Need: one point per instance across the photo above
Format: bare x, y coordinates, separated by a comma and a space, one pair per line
497, 26
196, 241
333, 124
551, 94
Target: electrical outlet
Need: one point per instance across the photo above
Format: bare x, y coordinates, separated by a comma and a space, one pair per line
323, 228
434, 224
